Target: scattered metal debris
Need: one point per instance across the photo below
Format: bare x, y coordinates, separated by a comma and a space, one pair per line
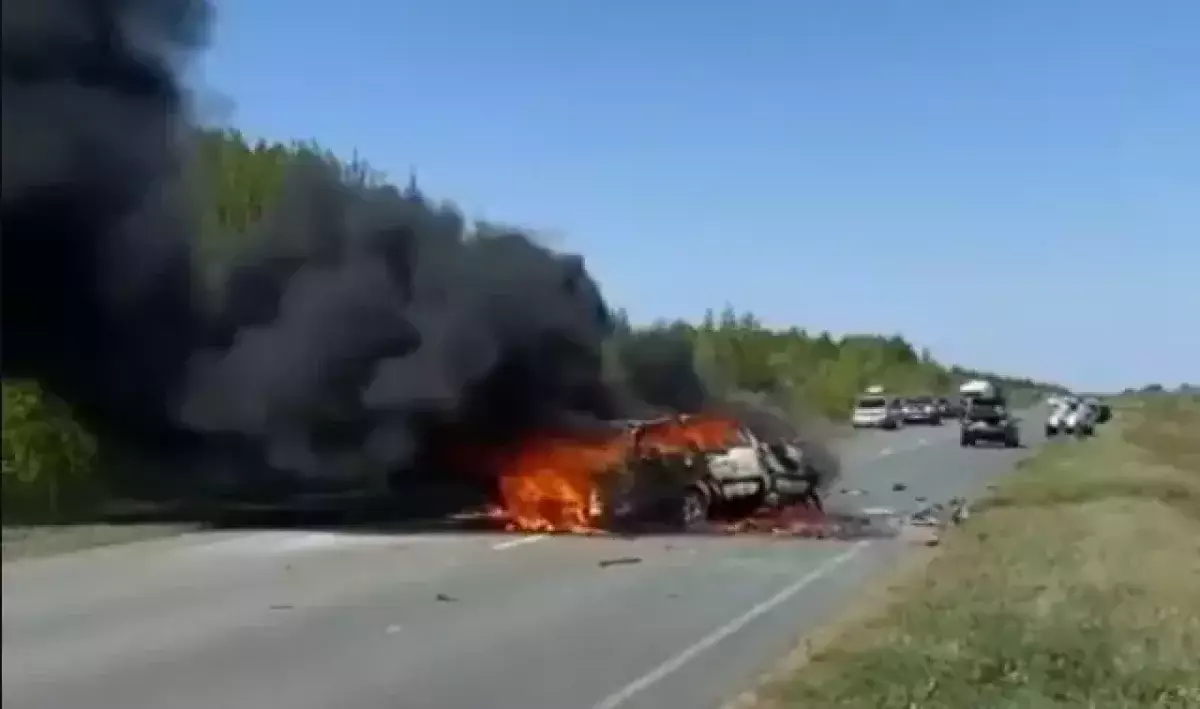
605, 563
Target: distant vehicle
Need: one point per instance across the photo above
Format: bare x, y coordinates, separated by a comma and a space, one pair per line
978, 388
922, 409
1056, 421
987, 418
1103, 411
975, 389
951, 407
1081, 420
876, 411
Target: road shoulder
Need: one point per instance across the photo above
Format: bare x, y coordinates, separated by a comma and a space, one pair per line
1072, 585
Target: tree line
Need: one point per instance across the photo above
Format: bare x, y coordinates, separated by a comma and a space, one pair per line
52, 464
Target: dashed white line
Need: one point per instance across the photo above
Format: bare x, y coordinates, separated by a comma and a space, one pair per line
884, 453
639, 685
530, 539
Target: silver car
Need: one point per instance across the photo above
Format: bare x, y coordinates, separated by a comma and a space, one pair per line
875, 411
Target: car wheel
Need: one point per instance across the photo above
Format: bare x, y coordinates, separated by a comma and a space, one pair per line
693, 509
1012, 442
965, 441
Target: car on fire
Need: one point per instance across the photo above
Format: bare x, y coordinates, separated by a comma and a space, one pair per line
686, 486
922, 410
987, 418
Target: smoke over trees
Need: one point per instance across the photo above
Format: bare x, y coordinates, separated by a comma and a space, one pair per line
268, 310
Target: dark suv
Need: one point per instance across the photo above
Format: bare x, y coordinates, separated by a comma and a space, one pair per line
988, 419
922, 409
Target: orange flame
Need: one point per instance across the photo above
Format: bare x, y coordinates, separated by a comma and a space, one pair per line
549, 483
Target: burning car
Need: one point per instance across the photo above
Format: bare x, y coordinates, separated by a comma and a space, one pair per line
686, 487
678, 471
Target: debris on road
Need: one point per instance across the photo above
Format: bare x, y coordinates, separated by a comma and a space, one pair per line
899, 487
446, 599
960, 511
624, 560
930, 516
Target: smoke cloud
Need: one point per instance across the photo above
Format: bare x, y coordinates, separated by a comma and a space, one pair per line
363, 323
96, 261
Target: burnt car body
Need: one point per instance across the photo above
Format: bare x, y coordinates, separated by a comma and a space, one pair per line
987, 418
922, 409
685, 488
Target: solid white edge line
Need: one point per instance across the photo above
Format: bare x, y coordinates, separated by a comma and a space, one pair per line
616, 699
530, 539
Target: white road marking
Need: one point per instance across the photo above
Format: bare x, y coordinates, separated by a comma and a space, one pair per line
922, 442
530, 539
639, 685
884, 453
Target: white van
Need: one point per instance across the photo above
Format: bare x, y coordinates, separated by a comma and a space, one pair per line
876, 411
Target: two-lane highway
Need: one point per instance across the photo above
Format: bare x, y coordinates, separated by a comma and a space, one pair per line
449, 621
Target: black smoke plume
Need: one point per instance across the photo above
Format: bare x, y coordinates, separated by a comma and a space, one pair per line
363, 320
365, 323
97, 300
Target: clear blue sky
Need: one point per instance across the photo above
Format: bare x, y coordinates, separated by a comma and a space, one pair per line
826, 163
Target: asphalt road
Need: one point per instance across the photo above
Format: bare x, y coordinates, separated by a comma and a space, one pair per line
432, 620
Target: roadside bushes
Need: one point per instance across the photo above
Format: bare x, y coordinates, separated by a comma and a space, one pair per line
49, 459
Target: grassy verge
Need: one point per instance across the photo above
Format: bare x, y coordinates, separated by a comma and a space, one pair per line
22, 542
1075, 586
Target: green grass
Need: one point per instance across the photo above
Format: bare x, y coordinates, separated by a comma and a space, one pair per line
1075, 586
